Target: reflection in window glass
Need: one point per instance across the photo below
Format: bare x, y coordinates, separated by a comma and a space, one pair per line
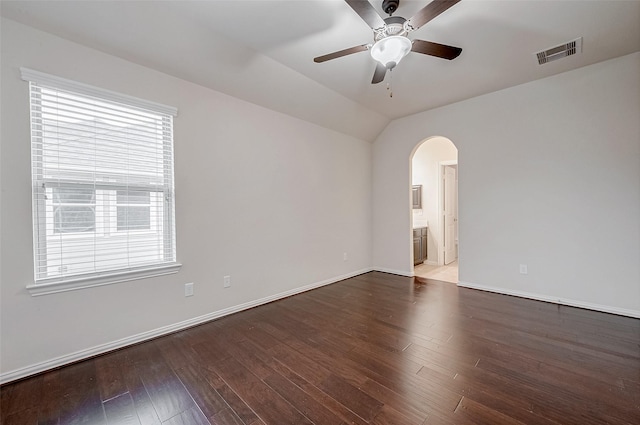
74, 210
134, 210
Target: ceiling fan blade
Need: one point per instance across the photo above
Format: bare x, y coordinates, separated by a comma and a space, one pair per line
430, 11
341, 53
435, 49
367, 12
379, 73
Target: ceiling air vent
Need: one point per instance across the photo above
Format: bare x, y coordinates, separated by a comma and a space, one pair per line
558, 52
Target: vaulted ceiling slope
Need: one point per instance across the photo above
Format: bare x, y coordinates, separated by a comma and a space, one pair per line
262, 51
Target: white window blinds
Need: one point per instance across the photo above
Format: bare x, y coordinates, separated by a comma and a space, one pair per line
102, 172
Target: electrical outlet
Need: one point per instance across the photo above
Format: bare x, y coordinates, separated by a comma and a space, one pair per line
227, 281
523, 269
188, 289
344, 256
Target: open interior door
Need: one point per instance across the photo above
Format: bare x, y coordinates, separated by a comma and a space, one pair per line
450, 214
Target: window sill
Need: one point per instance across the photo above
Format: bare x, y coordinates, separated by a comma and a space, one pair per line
100, 280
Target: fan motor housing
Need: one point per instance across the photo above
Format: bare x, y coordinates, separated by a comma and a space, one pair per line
393, 25
390, 6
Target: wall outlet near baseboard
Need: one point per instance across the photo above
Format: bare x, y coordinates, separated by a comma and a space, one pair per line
523, 269
188, 289
344, 256
227, 281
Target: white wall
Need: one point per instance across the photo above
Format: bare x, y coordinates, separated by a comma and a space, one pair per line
425, 170
269, 199
549, 176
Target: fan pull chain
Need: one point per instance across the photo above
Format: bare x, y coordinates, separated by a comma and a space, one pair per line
390, 83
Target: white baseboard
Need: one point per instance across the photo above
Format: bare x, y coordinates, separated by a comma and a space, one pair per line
554, 300
145, 336
392, 271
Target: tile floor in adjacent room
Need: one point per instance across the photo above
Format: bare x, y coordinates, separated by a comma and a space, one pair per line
447, 273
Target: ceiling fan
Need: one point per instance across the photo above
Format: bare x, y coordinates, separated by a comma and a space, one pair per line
391, 43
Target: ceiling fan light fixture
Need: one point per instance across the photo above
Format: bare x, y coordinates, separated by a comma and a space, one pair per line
389, 51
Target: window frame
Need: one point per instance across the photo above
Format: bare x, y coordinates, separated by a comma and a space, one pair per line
163, 195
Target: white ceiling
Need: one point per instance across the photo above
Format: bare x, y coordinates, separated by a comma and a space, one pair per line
262, 50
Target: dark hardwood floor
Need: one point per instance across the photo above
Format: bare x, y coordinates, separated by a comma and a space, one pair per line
374, 349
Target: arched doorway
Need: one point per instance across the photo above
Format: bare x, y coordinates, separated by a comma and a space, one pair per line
434, 217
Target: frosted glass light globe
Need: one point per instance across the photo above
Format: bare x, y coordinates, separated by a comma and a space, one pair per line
389, 51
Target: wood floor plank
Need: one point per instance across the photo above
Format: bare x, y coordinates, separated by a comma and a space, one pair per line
111, 382
205, 396
524, 397
134, 357
191, 416
303, 402
268, 405
121, 410
499, 396
373, 349
236, 404
23, 417
337, 407
144, 407
80, 402
481, 414
6, 403
413, 408
356, 400
389, 416
226, 417
167, 393
22, 396
558, 382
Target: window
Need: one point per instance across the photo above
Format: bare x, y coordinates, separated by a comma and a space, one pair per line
134, 210
103, 194
74, 210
